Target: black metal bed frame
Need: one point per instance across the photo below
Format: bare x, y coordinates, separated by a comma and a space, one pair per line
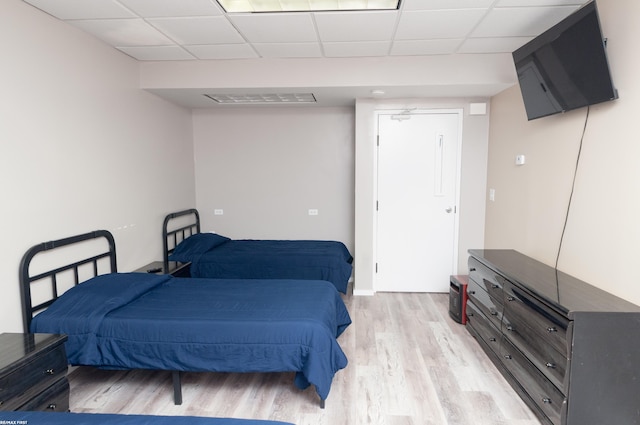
171, 238
26, 279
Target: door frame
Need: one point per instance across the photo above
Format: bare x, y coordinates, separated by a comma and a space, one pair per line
414, 110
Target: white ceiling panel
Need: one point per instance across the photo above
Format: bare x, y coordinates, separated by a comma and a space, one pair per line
445, 4
357, 49
492, 45
157, 53
356, 26
433, 24
525, 3
275, 28
521, 21
198, 30
288, 50
124, 32
425, 47
173, 8
83, 9
223, 51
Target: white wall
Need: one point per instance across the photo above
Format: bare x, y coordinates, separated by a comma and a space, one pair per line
266, 167
602, 235
472, 182
81, 147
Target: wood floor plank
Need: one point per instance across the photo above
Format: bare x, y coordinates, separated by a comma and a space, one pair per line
409, 364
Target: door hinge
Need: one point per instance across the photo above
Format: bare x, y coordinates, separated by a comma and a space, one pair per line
376, 267
376, 205
378, 140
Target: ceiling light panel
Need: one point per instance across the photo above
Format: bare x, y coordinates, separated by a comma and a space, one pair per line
262, 99
266, 6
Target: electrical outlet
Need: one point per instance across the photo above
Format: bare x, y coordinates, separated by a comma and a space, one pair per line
313, 212
218, 212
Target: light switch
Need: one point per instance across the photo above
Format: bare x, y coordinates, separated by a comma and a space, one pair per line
492, 194
520, 160
218, 212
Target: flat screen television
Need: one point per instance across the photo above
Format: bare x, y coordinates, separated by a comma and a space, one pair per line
565, 67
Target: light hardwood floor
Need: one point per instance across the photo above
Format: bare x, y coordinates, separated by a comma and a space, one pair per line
409, 364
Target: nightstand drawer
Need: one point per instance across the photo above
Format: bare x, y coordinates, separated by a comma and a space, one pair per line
22, 383
53, 399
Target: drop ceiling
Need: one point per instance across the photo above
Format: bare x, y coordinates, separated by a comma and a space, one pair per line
193, 31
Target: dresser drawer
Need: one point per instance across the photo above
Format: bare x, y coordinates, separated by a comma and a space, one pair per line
550, 326
486, 278
24, 382
543, 393
483, 327
485, 302
53, 399
545, 357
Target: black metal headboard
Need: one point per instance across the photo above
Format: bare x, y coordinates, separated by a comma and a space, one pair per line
171, 238
26, 279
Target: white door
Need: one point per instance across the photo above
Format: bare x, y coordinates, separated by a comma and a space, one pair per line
416, 202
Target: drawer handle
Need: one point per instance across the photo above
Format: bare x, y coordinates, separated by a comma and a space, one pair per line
469, 314
551, 329
49, 372
546, 400
472, 292
551, 365
494, 313
508, 356
472, 269
510, 298
510, 328
494, 286
52, 406
492, 339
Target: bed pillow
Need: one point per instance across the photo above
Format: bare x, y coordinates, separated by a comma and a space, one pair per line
196, 245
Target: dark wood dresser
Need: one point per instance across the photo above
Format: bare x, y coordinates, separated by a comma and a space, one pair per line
33, 372
570, 350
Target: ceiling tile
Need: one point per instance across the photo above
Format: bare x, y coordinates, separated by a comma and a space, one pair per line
356, 49
173, 8
124, 32
521, 21
493, 45
275, 28
157, 53
223, 51
198, 30
356, 26
431, 24
82, 9
524, 3
445, 4
288, 50
425, 47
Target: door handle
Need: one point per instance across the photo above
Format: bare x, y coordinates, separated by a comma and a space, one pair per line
449, 210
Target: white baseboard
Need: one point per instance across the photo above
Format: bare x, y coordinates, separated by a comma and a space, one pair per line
363, 292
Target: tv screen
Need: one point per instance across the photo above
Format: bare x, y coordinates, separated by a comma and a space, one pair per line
565, 67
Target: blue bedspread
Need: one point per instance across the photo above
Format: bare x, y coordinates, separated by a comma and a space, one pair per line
142, 321
59, 418
215, 256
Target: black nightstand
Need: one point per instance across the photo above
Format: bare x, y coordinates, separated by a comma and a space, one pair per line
175, 268
33, 372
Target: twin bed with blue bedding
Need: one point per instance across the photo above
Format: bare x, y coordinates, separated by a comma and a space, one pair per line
160, 322
58, 418
215, 256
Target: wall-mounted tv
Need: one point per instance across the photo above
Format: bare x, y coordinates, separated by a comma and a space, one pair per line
565, 67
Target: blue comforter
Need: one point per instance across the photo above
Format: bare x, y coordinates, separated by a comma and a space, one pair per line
144, 321
216, 256
60, 418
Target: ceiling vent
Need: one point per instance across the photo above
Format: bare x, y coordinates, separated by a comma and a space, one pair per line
262, 99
